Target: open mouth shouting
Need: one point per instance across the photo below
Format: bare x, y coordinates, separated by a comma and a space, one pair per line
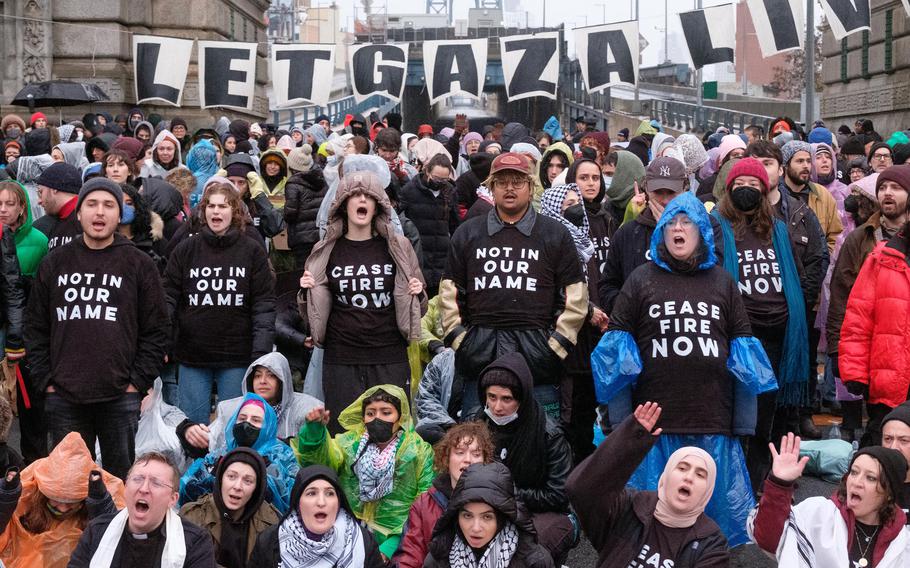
142, 506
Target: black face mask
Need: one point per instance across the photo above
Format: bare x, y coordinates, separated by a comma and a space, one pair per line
575, 214
434, 185
246, 434
380, 431
745, 198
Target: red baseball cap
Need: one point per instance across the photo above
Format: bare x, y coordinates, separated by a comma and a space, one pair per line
511, 161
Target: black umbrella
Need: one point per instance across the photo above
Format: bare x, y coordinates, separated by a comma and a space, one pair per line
58, 94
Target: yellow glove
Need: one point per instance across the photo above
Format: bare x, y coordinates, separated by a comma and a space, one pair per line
222, 172
257, 186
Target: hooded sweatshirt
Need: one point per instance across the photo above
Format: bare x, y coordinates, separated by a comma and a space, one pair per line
234, 538
629, 169
490, 484
73, 153
557, 148
220, 285
97, 322
291, 407
153, 168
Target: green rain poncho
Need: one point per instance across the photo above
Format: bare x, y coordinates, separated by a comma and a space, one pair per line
413, 466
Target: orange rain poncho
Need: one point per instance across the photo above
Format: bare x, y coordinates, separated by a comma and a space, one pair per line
62, 476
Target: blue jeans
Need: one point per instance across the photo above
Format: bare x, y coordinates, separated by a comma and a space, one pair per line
169, 383
194, 389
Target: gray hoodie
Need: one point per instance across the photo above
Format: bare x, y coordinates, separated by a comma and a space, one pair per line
293, 408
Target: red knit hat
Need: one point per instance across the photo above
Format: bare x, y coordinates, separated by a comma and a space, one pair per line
35, 117
748, 167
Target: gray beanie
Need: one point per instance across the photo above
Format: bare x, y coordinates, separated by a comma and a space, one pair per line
792, 147
101, 184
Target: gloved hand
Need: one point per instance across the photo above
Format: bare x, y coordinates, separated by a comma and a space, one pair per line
11, 479
257, 185
222, 172
857, 389
96, 487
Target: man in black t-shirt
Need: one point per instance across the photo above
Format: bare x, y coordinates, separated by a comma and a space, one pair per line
513, 282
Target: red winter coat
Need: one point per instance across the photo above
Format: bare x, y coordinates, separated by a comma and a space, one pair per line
875, 337
418, 530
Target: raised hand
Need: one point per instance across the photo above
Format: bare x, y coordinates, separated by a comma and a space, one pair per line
318, 414
786, 464
647, 415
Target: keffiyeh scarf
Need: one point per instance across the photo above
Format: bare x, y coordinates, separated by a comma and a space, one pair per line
375, 468
341, 547
497, 555
551, 206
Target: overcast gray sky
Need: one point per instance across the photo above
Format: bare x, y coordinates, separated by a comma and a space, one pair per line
573, 13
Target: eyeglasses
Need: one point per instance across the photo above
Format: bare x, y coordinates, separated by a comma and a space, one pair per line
139, 481
512, 183
881, 157
684, 223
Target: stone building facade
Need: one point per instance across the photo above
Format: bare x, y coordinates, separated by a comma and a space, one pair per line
868, 73
91, 41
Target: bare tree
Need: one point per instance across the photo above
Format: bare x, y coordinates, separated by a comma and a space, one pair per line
790, 79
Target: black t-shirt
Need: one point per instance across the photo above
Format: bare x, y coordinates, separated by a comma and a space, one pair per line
760, 281
683, 326
661, 546
863, 543
362, 328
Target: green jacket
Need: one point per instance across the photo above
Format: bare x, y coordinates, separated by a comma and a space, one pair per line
31, 244
413, 467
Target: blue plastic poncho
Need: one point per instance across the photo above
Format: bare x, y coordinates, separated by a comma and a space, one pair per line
281, 464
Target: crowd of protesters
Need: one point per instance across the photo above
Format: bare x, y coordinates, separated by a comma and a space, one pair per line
348, 345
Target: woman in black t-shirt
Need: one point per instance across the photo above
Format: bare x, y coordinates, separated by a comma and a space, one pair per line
364, 295
764, 268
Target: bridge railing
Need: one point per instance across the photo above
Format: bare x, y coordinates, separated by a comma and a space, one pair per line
574, 99
689, 117
336, 110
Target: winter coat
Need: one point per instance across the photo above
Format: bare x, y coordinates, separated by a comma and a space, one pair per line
267, 552
267, 220
467, 183
13, 290
303, 194
413, 465
198, 542
808, 241
490, 484
418, 531
546, 492
853, 253
151, 168
8, 456
31, 244
242, 312
436, 218
825, 208
820, 528
63, 475
204, 514
125, 311
61, 228
275, 184
281, 464
874, 346
617, 520
408, 308
293, 410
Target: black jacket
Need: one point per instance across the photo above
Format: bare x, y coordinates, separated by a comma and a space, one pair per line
467, 183
630, 248
303, 194
12, 291
166, 201
200, 552
221, 287
531, 439
616, 520
120, 306
810, 249
490, 484
436, 218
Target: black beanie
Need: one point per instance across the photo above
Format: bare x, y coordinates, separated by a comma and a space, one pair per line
853, 146
901, 413
101, 184
62, 177
501, 377
239, 169
892, 462
901, 153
